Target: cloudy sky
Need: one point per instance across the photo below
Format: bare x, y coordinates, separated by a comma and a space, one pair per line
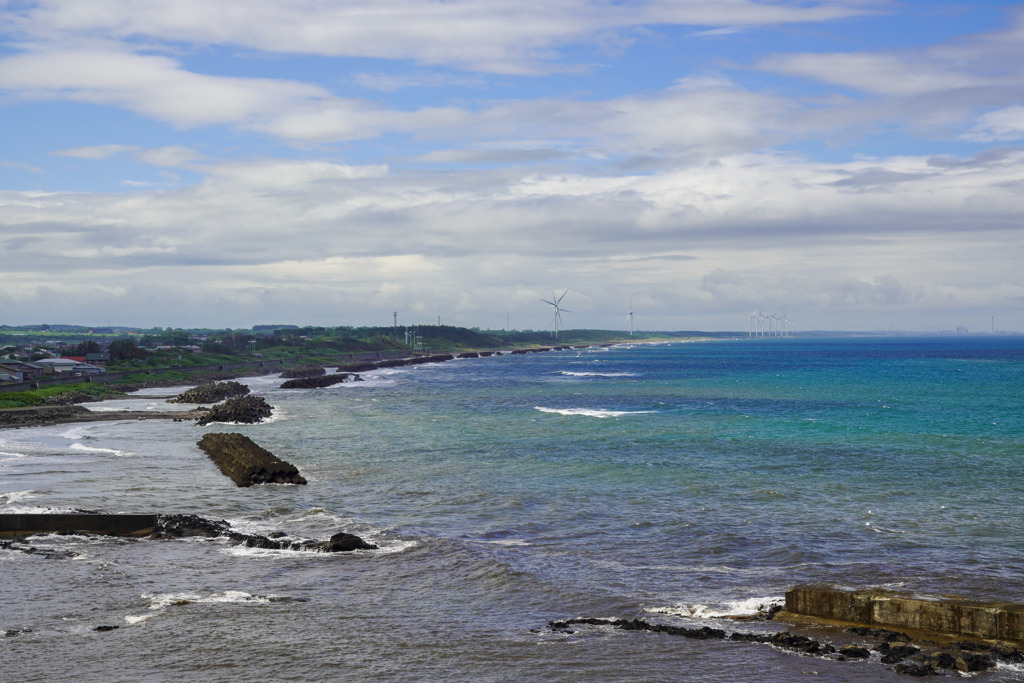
854, 164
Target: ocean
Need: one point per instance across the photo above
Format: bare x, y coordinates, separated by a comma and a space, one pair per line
676, 483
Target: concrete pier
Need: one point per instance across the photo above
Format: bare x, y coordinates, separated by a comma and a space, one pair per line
943, 618
108, 525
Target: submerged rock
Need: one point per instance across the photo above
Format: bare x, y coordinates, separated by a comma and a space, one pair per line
188, 526
247, 463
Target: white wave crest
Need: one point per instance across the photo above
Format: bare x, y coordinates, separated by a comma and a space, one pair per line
76, 433
15, 497
591, 412
727, 608
158, 603
570, 373
90, 449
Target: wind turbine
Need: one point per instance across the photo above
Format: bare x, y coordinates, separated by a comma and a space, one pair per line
557, 316
785, 322
630, 317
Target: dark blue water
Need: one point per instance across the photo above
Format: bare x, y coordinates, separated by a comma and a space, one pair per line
672, 482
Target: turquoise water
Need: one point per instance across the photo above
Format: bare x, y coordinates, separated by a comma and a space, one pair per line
671, 482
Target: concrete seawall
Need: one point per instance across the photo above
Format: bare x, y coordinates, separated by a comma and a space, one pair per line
951, 618
108, 525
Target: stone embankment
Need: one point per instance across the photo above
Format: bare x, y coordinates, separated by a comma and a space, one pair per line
211, 393
949, 618
109, 525
241, 409
320, 382
247, 463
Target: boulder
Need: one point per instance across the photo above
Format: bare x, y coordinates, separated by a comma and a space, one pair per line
244, 409
343, 543
211, 393
247, 463
854, 652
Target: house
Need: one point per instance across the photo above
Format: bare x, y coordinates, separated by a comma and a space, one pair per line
23, 371
71, 365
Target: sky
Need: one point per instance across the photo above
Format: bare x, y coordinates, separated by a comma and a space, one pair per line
851, 164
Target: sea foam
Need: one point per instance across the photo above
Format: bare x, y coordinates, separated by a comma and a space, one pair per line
591, 412
726, 608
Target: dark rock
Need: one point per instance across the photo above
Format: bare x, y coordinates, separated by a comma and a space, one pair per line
318, 382
188, 526
11, 632
970, 662
48, 553
854, 652
1008, 652
970, 646
880, 633
941, 660
469, 354
307, 370
211, 393
897, 653
343, 543
247, 463
915, 669
106, 628
243, 409
185, 526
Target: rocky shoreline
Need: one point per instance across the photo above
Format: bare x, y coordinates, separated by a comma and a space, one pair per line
41, 416
212, 387
910, 657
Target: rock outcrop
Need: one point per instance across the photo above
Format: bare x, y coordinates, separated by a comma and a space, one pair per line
242, 409
247, 463
895, 648
188, 526
211, 393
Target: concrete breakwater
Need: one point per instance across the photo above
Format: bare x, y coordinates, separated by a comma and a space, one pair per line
924, 618
108, 525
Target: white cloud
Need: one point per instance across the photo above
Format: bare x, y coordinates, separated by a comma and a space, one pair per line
154, 86
882, 74
501, 36
19, 166
95, 152
1003, 124
742, 231
172, 156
